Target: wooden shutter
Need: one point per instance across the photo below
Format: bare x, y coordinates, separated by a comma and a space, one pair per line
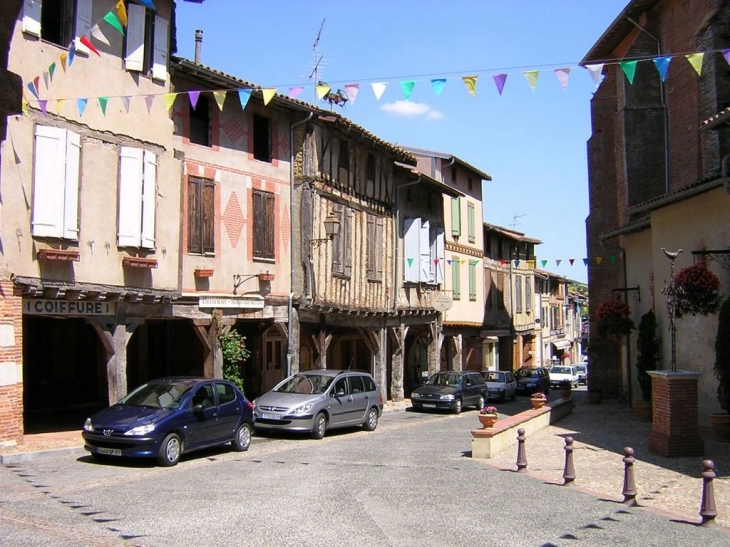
528, 294
71, 186
371, 243
472, 280
379, 245
48, 181
424, 253
208, 216
149, 199
440, 254
134, 54
195, 244
471, 227
518, 293
32, 17
347, 242
455, 216
258, 224
337, 244
161, 45
264, 224
455, 278
269, 225
83, 24
130, 196
411, 255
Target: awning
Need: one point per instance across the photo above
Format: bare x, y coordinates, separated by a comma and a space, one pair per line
561, 344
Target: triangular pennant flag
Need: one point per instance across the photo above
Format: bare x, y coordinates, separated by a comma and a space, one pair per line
629, 68
435, 260
531, 76
44, 106
530, 263
102, 104
33, 89
612, 259
438, 85
121, 12
148, 3
51, 70
596, 72
322, 90
379, 89
543, 262
23, 106
503, 262
517, 263
662, 65
558, 261
45, 78
294, 91
113, 20
410, 262
99, 35
726, 54
585, 262
499, 81
220, 98
81, 105
125, 102
149, 99
352, 90
194, 96
85, 40
471, 84
571, 260
244, 95
599, 259
59, 105
268, 94
407, 87
71, 54
63, 58
169, 99
562, 75
695, 59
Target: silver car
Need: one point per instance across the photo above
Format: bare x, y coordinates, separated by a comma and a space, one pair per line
314, 401
501, 384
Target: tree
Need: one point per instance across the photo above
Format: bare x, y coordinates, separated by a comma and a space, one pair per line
235, 352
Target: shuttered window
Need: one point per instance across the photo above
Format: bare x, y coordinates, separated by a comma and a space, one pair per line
137, 198
57, 22
56, 183
263, 225
472, 280
411, 238
528, 294
374, 248
147, 42
518, 293
342, 242
455, 216
471, 222
456, 278
201, 215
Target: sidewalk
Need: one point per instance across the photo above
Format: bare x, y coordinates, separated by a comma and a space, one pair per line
670, 485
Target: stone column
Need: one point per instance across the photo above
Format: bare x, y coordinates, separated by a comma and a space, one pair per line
675, 414
11, 364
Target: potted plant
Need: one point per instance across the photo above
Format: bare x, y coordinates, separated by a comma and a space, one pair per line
647, 359
538, 399
565, 389
613, 319
720, 422
697, 291
488, 416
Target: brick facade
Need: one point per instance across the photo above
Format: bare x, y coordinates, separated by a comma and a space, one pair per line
11, 364
675, 415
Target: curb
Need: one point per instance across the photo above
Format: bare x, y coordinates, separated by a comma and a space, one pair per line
22, 457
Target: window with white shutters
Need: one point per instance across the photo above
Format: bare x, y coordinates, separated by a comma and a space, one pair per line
147, 42
137, 198
411, 239
56, 175
58, 21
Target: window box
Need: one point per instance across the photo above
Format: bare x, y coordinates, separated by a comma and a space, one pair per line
59, 254
201, 272
266, 276
138, 262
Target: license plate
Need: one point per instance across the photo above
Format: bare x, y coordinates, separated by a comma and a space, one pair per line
428, 405
266, 416
109, 451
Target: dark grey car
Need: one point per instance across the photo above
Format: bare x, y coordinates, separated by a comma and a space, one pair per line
314, 401
451, 390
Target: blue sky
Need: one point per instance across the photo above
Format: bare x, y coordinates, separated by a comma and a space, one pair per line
532, 143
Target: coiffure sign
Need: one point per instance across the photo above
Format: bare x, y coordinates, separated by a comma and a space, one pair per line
40, 306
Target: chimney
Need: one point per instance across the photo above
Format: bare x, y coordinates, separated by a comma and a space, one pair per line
198, 44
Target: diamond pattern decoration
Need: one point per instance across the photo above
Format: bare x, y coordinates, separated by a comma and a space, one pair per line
232, 129
233, 219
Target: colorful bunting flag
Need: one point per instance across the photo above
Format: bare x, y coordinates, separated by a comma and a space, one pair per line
410, 262
599, 259
352, 90
59, 104
438, 85
44, 106
558, 261
126, 101
220, 99
24, 108
169, 99
612, 259
194, 96
99, 35
596, 72
562, 75
471, 84
149, 4
64, 58
322, 90
407, 88
113, 20
51, 70
81, 105
295, 91
531, 76
585, 262
149, 99
102, 104
662, 65
499, 81
378, 89
544, 263
629, 68
243, 96
268, 94
121, 12
45, 78
33, 87
85, 40
71, 54
695, 59
517, 263
726, 54
571, 260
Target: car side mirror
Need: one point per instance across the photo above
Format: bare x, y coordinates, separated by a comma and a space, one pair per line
340, 393
198, 409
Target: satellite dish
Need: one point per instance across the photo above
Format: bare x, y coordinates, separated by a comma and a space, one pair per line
442, 302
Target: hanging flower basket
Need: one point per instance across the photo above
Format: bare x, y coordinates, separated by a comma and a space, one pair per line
613, 318
697, 291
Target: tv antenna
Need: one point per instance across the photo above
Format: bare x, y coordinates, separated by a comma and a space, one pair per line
317, 60
515, 217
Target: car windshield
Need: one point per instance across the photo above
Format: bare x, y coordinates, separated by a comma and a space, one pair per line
560, 370
443, 380
157, 395
580, 368
524, 373
495, 377
305, 384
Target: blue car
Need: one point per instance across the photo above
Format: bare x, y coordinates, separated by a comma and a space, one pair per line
165, 418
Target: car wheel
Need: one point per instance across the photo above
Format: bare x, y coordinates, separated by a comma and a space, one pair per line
170, 451
372, 420
320, 426
457, 406
243, 438
481, 403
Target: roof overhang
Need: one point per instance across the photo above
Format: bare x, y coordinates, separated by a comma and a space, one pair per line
424, 179
448, 157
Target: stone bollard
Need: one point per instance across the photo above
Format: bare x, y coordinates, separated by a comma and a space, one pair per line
708, 511
629, 490
521, 456
569, 472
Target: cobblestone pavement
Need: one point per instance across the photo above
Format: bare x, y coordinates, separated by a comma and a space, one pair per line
670, 485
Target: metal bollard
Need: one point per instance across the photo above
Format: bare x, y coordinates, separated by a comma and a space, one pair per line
708, 511
629, 490
569, 472
521, 456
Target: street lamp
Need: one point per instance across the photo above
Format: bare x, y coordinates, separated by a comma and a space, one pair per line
331, 228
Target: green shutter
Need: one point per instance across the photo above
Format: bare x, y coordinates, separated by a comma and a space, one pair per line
472, 280
455, 216
455, 279
470, 223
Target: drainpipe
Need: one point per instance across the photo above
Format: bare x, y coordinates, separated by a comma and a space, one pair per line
290, 341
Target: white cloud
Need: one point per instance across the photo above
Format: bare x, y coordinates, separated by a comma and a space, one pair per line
410, 109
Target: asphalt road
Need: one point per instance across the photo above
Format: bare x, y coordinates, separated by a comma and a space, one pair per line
411, 482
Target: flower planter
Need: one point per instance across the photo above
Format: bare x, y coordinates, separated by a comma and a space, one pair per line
266, 277
565, 393
537, 403
203, 272
488, 420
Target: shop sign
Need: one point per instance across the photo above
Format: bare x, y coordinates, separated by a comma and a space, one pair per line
238, 302
40, 306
